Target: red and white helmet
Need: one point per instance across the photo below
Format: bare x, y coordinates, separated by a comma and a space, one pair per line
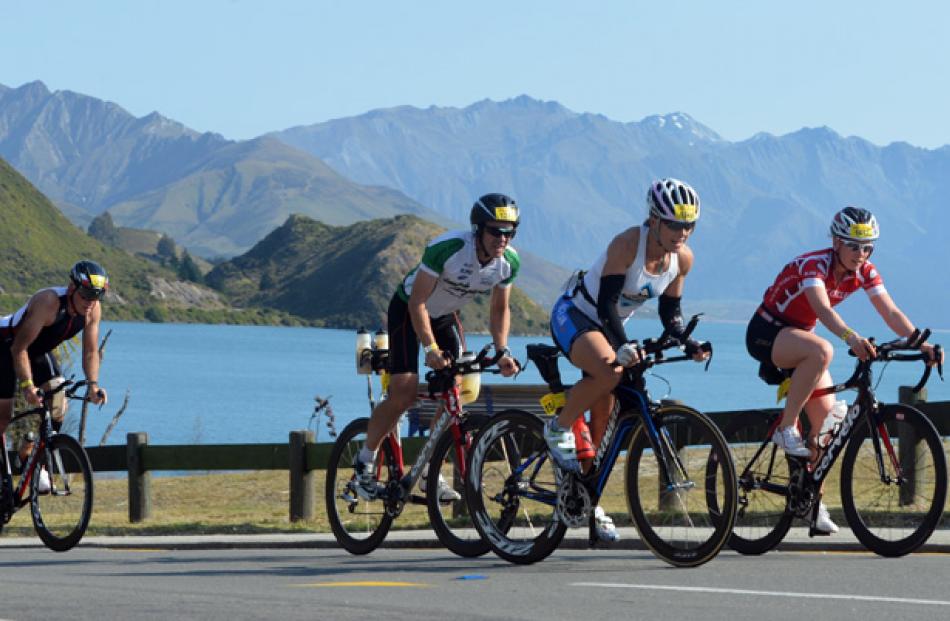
672, 199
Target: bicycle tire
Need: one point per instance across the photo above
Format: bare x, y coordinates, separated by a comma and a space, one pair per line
61, 514
879, 513
680, 526
359, 526
514, 511
451, 521
762, 519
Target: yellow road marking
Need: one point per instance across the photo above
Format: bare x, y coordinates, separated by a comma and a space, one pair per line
364, 584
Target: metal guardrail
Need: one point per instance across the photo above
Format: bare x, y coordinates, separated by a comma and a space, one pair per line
302, 457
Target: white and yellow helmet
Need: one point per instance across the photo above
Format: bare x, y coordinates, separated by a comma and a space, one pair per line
855, 224
672, 199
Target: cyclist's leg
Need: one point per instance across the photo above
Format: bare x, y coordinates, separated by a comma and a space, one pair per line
7, 386
592, 353
809, 355
817, 409
450, 338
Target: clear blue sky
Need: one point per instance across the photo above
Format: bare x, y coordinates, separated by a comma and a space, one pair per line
241, 68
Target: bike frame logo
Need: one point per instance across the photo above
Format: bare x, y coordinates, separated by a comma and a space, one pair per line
832, 450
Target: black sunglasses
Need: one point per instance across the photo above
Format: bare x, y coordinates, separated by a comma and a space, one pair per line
91, 294
675, 225
497, 231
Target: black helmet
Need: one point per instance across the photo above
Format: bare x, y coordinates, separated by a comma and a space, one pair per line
498, 207
90, 279
855, 224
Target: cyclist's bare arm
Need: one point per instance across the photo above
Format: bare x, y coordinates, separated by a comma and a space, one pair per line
90, 355
500, 325
818, 298
40, 312
422, 288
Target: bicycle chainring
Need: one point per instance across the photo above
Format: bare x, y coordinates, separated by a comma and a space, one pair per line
573, 502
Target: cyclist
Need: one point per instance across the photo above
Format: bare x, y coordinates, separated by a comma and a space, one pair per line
587, 321
455, 267
781, 332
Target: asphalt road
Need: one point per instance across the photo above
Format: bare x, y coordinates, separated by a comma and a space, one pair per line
229, 584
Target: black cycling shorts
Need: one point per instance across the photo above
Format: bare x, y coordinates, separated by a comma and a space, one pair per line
404, 343
759, 340
44, 367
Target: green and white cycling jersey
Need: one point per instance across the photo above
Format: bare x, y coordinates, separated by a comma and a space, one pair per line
451, 258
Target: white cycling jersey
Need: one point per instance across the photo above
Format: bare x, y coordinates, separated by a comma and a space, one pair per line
452, 259
639, 284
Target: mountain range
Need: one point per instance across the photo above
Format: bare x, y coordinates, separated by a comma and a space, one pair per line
579, 178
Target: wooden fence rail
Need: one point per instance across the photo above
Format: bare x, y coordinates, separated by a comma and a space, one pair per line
301, 456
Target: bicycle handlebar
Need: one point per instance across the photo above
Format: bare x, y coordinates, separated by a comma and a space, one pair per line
656, 347
889, 351
439, 379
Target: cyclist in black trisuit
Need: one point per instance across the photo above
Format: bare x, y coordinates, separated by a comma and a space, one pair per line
51, 316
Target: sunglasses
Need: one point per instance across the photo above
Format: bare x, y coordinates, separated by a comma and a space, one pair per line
856, 247
497, 231
674, 225
91, 295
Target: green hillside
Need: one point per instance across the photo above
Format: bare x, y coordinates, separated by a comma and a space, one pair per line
345, 276
39, 245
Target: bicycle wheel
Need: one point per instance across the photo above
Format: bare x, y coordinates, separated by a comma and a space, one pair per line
359, 525
61, 513
451, 521
511, 488
762, 478
896, 513
668, 492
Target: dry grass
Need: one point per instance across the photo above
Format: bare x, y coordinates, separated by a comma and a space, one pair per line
258, 502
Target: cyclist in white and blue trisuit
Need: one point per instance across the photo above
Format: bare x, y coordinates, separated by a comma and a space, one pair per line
587, 322
455, 267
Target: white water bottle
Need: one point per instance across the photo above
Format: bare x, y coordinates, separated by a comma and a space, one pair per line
364, 357
838, 411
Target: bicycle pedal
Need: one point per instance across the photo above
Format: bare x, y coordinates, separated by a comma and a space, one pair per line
416, 499
814, 532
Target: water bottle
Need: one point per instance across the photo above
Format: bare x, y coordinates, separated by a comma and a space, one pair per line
364, 358
381, 340
838, 411
471, 382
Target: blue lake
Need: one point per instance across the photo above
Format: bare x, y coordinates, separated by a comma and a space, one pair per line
192, 384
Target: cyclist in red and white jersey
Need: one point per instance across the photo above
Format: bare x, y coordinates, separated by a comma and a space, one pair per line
781, 337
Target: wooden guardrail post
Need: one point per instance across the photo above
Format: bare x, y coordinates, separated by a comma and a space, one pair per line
302, 479
909, 452
140, 505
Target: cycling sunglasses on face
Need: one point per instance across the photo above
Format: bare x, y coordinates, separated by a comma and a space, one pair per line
497, 231
675, 225
856, 247
91, 295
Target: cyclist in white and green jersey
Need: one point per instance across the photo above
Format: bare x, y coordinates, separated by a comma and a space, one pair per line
454, 268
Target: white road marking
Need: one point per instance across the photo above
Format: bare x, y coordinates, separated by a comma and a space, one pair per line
862, 598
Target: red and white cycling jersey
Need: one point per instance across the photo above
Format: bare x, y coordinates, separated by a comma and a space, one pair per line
786, 300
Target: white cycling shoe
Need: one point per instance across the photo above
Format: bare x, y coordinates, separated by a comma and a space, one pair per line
823, 522
789, 440
446, 493
43, 485
604, 526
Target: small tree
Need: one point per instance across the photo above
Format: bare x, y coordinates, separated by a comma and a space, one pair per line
188, 269
103, 229
166, 248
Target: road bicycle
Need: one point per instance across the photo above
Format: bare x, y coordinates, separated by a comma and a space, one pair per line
56, 479
523, 504
893, 475
359, 525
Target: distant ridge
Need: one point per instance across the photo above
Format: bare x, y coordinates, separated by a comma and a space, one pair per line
345, 276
